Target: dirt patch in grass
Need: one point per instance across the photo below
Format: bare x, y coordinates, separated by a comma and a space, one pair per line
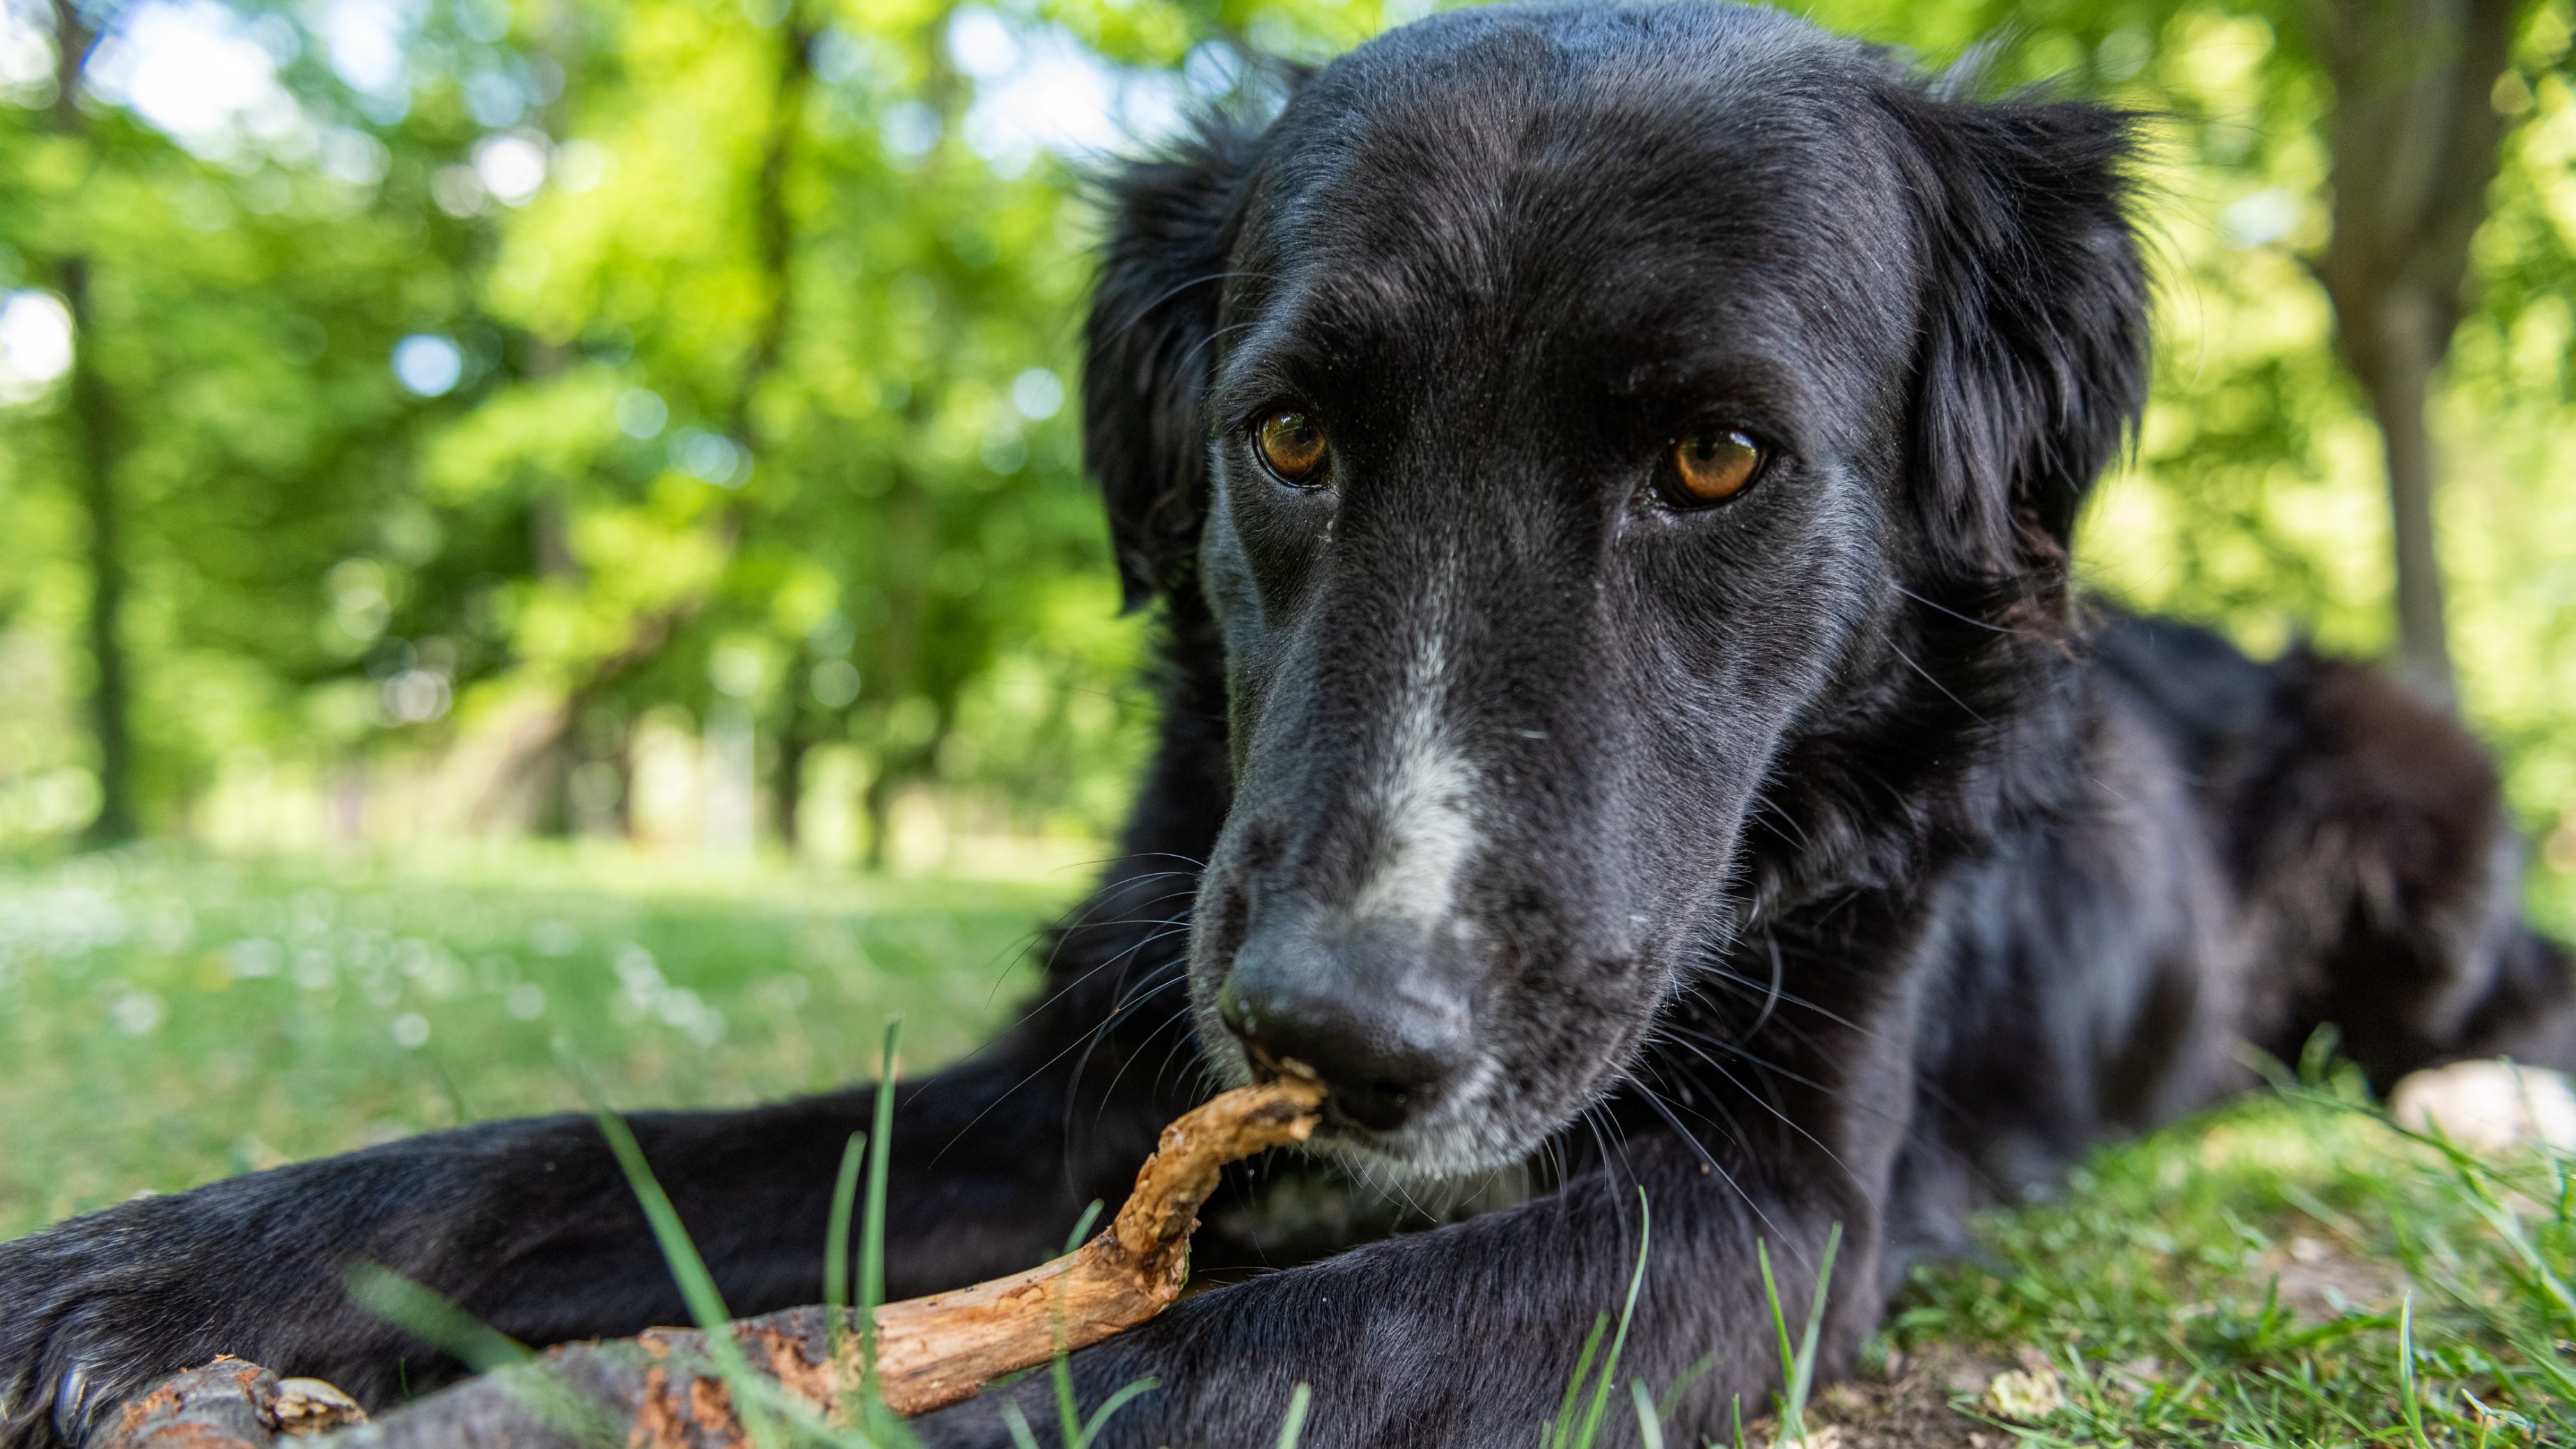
2322, 1281
1918, 1400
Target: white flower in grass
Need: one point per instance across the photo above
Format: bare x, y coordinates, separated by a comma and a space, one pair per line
137, 1013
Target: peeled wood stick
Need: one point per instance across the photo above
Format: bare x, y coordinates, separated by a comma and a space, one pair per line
659, 1390
940, 1349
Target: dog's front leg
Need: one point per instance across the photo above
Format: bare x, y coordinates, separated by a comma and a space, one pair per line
532, 1228
1467, 1336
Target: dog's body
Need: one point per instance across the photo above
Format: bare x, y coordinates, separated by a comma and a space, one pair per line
1785, 843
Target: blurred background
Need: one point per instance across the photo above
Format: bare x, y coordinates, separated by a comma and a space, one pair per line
560, 521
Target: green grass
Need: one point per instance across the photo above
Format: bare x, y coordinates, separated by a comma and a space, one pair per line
165, 1021
2288, 1270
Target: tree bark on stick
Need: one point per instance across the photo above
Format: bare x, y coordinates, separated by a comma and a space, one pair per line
2414, 133
661, 1389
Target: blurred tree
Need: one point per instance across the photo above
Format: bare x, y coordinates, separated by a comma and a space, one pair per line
2414, 131
501, 391
228, 430
2401, 100
93, 459
2283, 152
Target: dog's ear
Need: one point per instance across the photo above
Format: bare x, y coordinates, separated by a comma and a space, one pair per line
2032, 365
1148, 345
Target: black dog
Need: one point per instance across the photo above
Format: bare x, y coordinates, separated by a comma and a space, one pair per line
1608, 474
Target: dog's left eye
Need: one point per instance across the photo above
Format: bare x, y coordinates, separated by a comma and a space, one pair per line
1292, 446
1711, 465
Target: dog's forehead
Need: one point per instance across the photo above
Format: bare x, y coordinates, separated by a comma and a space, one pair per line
1645, 173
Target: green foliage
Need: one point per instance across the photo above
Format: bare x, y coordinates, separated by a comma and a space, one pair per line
761, 415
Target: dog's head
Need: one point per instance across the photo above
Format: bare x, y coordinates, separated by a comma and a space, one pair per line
1570, 416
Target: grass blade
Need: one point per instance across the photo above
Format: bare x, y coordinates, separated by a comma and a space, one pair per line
697, 1285
1650, 1424
428, 1315
2407, 1397
1680, 1386
1294, 1424
872, 1244
1803, 1378
1109, 1406
1791, 1431
1068, 1412
1798, 1359
1561, 1428
836, 1264
1082, 1226
836, 1233
1618, 1341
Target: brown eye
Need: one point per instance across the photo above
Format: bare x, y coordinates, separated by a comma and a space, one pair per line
1712, 466
1292, 445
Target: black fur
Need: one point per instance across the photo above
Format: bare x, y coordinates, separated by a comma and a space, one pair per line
1814, 858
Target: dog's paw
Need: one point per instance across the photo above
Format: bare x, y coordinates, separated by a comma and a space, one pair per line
92, 1313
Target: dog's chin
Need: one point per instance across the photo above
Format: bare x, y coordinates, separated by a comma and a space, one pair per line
1466, 1135
1429, 1154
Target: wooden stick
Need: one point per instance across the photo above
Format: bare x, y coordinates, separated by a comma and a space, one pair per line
659, 1390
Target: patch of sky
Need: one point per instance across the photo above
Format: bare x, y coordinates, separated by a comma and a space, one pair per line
1040, 90
35, 344
26, 55
207, 75
428, 364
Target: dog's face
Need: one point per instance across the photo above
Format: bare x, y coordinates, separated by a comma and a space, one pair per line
1544, 407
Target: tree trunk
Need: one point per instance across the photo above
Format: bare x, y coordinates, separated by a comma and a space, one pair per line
96, 420
94, 413
901, 644
877, 803
2414, 135
795, 741
549, 773
2400, 387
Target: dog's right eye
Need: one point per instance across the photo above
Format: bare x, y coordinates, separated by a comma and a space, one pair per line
1292, 447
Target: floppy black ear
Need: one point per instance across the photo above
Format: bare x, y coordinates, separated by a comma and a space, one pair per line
2033, 360
1153, 317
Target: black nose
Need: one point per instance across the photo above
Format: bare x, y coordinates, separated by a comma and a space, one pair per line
1377, 1009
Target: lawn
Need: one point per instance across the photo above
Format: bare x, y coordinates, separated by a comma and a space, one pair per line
2288, 1270
166, 1021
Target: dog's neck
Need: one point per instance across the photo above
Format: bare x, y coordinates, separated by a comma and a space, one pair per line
1962, 722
